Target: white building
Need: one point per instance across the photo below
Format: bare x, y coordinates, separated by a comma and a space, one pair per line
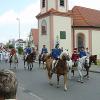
76, 28
20, 43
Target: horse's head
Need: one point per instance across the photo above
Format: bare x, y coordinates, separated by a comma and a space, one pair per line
87, 61
46, 57
65, 57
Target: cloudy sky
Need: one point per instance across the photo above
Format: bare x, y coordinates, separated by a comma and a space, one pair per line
26, 10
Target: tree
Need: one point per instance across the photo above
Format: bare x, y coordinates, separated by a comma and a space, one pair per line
20, 50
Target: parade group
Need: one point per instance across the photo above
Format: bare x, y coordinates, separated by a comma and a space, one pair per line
55, 52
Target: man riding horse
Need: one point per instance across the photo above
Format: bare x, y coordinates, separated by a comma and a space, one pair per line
55, 55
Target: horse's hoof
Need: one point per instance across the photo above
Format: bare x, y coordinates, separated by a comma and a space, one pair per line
50, 83
58, 86
82, 82
65, 89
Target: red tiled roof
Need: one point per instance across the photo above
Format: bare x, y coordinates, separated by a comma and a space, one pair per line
52, 11
85, 16
82, 16
35, 34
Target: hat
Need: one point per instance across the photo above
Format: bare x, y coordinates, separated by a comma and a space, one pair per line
75, 49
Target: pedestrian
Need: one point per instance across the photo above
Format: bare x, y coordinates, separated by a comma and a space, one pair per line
8, 85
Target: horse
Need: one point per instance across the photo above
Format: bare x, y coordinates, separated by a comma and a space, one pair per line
41, 59
30, 59
13, 59
93, 59
60, 69
81, 63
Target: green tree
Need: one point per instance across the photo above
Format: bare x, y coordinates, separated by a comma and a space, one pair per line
20, 50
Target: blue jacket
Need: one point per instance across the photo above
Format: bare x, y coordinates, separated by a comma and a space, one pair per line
28, 50
82, 53
56, 53
44, 50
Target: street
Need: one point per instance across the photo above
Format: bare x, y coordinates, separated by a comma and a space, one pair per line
33, 85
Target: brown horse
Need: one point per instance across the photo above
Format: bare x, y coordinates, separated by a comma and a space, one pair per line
41, 59
60, 69
30, 59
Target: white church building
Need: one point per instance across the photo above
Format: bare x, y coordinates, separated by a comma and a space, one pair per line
76, 28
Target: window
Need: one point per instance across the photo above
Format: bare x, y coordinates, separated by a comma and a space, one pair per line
62, 35
43, 30
43, 3
61, 2
44, 27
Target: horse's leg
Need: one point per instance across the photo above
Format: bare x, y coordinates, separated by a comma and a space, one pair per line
39, 63
72, 71
31, 66
65, 82
24, 65
80, 76
28, 66
57, 81
49, 77
10, 64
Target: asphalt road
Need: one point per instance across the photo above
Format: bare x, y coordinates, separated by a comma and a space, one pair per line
33, 85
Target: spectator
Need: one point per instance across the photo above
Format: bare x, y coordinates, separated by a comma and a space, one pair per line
8, 85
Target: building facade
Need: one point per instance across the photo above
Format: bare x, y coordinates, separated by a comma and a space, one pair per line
76, 28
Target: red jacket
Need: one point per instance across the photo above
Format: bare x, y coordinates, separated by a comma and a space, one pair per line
75, 56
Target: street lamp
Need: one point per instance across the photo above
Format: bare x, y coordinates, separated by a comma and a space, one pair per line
18, 19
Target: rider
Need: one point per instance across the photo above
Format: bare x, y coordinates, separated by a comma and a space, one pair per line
44, 49
55, 54
82, 52
75, 56
88, 54
28, 50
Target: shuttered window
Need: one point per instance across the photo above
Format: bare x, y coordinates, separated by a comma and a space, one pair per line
62, 35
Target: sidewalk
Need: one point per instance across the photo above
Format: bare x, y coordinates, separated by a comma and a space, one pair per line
95, 68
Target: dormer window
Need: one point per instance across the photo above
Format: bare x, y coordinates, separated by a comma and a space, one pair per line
43, 3
61, 2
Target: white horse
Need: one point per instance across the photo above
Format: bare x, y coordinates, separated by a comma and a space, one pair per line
81, 64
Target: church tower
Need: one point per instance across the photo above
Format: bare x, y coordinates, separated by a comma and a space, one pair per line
54, 24
59, 5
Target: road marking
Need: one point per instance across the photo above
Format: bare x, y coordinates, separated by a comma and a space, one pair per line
30, 93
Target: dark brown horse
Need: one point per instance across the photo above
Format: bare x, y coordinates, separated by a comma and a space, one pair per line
30, 59
41, 59
60, 69
93, 59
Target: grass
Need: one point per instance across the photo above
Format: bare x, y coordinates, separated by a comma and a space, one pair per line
98, 62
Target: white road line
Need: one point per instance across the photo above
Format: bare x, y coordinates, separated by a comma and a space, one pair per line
30, 93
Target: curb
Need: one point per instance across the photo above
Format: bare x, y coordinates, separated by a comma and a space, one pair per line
94, 71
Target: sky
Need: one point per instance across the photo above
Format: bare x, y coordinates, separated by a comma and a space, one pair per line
26, 11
